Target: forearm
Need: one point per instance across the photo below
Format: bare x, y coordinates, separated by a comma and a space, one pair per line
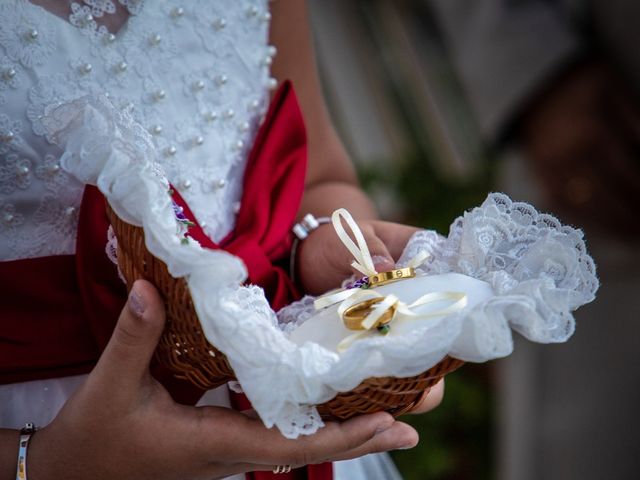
322, 198
331, 181
8, 453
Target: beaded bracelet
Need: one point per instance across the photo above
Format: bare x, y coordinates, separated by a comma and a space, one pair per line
25, 435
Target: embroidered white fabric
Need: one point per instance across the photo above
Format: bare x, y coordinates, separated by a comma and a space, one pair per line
194, 74
539, 270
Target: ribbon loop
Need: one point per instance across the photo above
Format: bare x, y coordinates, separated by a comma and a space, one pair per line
363, 261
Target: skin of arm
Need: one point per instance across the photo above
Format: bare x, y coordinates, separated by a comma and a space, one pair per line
331, 181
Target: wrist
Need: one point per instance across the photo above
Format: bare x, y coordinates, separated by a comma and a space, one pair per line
301, 231
9, 440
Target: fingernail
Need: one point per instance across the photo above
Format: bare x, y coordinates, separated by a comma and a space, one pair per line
381, 262
136, 303
406, 447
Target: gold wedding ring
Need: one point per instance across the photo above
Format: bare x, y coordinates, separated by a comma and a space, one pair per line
355, 314
383, 278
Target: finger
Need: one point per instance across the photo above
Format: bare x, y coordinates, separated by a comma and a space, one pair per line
399, 436
382, 259
125, 360
431, 398
249, 441
394, 236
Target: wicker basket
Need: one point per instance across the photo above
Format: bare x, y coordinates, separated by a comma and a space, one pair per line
184, 349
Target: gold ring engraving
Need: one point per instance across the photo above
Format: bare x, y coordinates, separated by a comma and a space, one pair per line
355, 314
383, 278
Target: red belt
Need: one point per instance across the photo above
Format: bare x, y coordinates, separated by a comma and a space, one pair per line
57, 313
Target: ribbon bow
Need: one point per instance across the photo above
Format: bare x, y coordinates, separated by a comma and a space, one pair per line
389, 308
362, 307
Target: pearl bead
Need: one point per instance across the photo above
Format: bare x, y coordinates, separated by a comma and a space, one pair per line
244, 127
7, 137
210, 116
221, 183
236, 207
199, 85
203, 224
219, 23
159, 95
33, 34
272, 51
238, 145
110, 38
157, 129
10, 73
171, 151
221, 80
23, 170
228, 114
272, 83
254, 104
69, 211
86, 20
199, 140
122, 66
186, 184
53, 168
267, 61
8, 217
177, 12
252, 11
266, 17
86, 68
155, 39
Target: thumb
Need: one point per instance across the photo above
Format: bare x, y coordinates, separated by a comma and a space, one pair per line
382, 259
125, 360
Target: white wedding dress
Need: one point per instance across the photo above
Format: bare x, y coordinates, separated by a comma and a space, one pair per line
195, 74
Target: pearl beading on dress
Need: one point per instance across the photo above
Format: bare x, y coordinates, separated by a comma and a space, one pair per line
202, 115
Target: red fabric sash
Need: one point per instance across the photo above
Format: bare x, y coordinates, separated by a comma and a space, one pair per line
57, 313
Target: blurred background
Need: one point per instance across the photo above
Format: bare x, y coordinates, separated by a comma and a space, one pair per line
440, 102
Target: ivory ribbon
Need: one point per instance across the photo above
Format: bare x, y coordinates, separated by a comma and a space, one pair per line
403, 312
363, 261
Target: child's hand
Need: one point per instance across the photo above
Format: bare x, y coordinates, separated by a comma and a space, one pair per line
323, 262
122, 424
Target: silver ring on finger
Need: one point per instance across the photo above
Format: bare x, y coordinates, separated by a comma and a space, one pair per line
282, 469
